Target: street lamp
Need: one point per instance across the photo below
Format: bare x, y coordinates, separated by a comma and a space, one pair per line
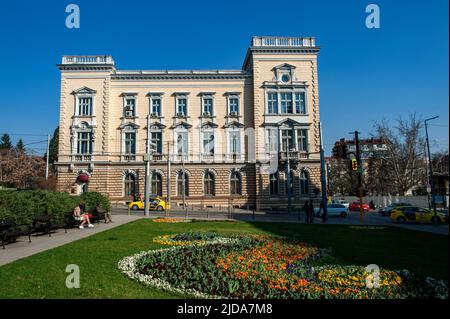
430, 168
179, 139
288, 176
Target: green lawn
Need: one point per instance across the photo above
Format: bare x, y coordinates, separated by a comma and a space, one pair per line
43, 275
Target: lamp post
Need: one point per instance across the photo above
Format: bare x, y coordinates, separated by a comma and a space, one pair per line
147, 171
180, 140
288, 173
430, 168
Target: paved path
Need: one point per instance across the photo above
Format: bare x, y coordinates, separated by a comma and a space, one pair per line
22, 248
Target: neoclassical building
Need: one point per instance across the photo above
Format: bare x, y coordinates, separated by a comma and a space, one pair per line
220, 136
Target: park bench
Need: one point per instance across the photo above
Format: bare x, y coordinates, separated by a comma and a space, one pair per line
98, 216
42, 224
9, 232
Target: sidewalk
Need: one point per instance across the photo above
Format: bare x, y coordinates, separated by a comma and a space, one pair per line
22, 248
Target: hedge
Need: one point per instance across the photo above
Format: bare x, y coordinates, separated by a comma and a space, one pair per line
23, 206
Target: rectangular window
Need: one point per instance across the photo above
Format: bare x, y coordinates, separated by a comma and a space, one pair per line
84, 143
286, 103
85, 106
272, 103
130, 143
182, 106
234, 138
273, 184
287, 139
207, 106
272, 140
182, 143
130, 107
156, 139
300, 106
156, 106
302, 140
208, 142
234, 106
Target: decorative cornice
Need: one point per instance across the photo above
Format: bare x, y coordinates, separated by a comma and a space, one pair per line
193, 76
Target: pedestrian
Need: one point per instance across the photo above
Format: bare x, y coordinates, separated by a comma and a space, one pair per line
311, 212
306, 210
372, 205
320, 212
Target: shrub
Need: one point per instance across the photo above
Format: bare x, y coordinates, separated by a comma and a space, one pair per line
91, 199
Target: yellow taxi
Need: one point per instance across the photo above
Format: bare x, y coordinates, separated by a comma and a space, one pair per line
155, 203
416, 214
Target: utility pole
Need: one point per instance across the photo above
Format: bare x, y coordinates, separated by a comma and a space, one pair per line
47, 157
428, 176
147, 171
430, 168
323, 178
288, 175
360, 168
168, 176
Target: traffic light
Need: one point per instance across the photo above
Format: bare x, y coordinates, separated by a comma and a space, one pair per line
340, 150
354, 164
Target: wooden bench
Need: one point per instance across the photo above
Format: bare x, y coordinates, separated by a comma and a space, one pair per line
42, 224
9, 232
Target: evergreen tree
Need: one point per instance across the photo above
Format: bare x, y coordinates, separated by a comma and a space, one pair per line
20, 147
5, 142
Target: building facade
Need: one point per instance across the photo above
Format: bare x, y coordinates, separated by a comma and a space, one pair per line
220, 136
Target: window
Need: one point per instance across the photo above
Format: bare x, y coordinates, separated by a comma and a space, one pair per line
302, 140
156, 106
286, 103
235, 184
234, 106
234, 138
156, 138
207, 106
130, 143
129, 185
300, 106
272, 103
209, 184
156, 185
84, 143
287, 139
85, 106
182, 106
180, 186
304, 183
273, 184
289, 184
272, 135
130, 107
182, 143
208, 142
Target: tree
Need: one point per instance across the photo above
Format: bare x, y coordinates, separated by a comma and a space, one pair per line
5, 142
20, 147
53, 149
405, 163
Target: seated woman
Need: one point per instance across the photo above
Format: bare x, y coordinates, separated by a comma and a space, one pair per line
80, 216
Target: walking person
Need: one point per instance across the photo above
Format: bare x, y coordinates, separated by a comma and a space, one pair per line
305, 208
311, 212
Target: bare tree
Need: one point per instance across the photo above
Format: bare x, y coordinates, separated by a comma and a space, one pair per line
405, 162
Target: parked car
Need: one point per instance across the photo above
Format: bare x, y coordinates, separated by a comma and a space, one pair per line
355, 206
386, 211
155, 203
341, 201
416, 214
335, 210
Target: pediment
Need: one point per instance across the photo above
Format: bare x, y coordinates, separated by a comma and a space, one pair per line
208, 124
131, 124
233, 124
84, 90
182, 124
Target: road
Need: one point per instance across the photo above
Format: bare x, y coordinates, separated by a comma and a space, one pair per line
370, 219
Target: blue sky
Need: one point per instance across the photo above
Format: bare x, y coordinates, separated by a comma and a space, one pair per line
364, 74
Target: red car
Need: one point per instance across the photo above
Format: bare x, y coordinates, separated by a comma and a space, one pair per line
355, 206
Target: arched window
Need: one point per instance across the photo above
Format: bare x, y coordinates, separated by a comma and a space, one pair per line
235, 184
156, 187
304, 183
289, 187
180, 186
129, 185
209, 184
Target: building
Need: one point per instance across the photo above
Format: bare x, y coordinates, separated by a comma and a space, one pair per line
230, 131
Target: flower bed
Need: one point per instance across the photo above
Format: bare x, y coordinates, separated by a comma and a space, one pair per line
210, 265
171, 220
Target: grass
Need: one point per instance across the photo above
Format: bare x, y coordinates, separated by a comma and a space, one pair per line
43, 275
